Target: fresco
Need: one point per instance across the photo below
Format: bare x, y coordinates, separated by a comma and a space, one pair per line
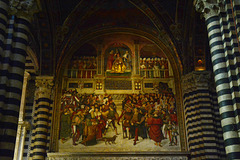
129, 122
82, 67
154, 67
118, 60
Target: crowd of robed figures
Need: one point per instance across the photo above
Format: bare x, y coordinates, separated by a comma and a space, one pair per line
87, 118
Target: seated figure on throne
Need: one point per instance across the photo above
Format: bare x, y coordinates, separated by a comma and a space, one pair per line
118, 65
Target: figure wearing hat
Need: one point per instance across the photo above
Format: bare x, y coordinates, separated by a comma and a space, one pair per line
156, 69
127, 114
143, 67
118, 64
137, 125
155, 123
110, 60
127, 60
111, 117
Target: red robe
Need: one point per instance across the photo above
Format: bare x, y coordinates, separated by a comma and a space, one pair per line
155, 131
101, 125
110, 61
173, 118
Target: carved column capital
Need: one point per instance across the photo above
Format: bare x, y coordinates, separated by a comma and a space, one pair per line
44, 85
209, 8
24, 8
197, 79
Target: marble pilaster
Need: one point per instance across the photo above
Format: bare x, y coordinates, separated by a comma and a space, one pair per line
22, 125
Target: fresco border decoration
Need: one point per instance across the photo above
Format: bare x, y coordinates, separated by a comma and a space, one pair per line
120, 156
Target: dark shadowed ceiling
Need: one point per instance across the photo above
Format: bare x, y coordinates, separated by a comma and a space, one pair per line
61, 23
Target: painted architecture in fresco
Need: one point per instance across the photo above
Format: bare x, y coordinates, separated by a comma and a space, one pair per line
118, 99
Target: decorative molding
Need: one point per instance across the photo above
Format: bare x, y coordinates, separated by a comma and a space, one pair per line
34, 59
24, 8
208, 9
61, 32
24, 124
119, 156
176, 30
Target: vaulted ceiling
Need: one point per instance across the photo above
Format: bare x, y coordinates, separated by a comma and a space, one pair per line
61, 23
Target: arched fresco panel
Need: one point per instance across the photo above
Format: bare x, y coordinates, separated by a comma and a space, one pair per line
133, 112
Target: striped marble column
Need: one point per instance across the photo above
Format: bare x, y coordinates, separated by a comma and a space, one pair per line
228, 21
43, 101
13, 43
225, 57
3, 23
11, 81
203, 126
6, 140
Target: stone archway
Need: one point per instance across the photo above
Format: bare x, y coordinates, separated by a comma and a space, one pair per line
171, 55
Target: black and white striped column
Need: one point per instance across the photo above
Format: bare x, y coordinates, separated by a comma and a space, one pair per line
42, 115
13, 43
3, 24
225, 60
203, 126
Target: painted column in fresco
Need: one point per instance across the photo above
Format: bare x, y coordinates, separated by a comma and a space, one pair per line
135, 59
100, 66
42, 115
99, 83
15, 21
202, 116
136, 83
224, 47
22, 125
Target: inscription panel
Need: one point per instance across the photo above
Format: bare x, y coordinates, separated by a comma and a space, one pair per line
118, 85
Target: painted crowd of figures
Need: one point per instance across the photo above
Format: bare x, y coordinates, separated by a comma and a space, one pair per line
87, 118
85, 67
154, 67
82, 67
